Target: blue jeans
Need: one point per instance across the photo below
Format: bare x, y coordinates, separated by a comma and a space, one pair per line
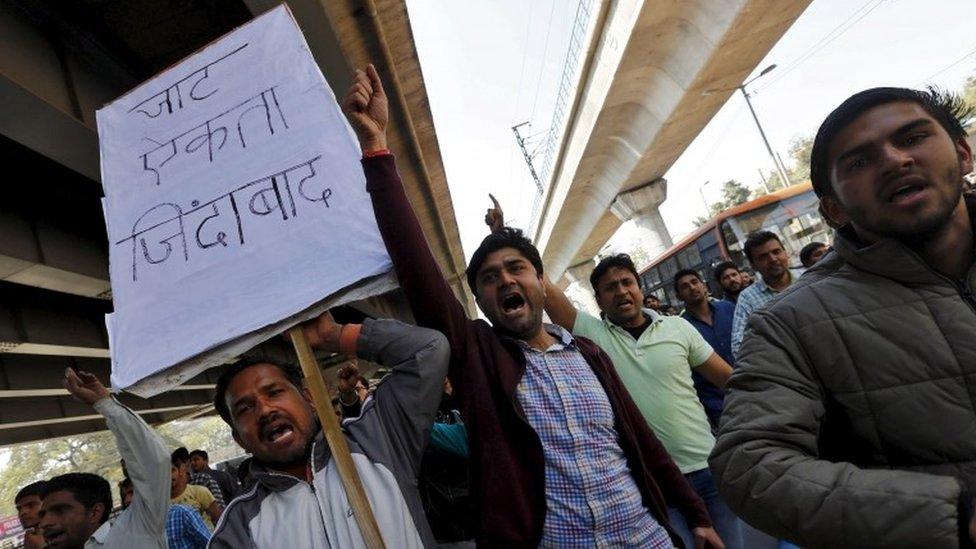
726, 524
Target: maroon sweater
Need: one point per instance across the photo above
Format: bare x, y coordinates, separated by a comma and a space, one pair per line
507, 465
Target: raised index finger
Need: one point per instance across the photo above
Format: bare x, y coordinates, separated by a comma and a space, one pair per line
374, 79
495, 201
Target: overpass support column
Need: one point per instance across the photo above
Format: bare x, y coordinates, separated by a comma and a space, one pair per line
641, 205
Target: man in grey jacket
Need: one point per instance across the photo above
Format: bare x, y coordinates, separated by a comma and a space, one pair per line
76, 506
850, 419
297, 499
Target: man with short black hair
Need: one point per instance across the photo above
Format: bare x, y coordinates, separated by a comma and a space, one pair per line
729, 279
766, 254
76, 506
28, 505
652, 302
850, 421
271, 415
655, 356
560, 454
812, 253
713, 320
181, 460
184, 527
200, 465
197, 497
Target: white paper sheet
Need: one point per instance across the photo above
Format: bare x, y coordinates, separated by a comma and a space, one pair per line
234, 202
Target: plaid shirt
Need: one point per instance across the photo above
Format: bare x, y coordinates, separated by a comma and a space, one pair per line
208, 482
591, 497
185, 529
751, 299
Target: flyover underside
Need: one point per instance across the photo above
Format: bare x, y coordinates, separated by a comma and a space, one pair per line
59, 61
642, 106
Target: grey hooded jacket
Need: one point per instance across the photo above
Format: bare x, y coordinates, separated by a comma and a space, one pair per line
851, 417
386, 440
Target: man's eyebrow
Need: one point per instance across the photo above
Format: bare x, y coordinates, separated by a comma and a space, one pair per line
904, 128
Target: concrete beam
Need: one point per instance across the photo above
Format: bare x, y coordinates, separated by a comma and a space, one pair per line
653, 87
57, 420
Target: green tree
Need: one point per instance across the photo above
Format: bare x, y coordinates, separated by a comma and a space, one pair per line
969, 90
733, 193
97, 453
798, 170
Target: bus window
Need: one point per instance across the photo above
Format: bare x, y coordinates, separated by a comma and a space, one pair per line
795, 221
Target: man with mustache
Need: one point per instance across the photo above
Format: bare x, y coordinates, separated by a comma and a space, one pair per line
730, 279
655, 357
560, 454
766, 254
28, 505
76, 506
850, 421
296, 498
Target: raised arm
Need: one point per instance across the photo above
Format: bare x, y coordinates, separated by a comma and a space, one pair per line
145, 455
431, 299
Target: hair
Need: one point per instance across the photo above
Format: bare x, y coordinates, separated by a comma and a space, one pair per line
125, 483
757, 239
683, 273
506, 237
32, 489
87, 488
650, 295
180, 456
201, 453
808, 250
618, 261
949, 110
292, 373
721, 268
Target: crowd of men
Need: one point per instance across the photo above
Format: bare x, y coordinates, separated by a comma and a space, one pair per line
829, 408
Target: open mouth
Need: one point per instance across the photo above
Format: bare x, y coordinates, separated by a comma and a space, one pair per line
625, 305
278, 434
512, 303
55, 538
906, 193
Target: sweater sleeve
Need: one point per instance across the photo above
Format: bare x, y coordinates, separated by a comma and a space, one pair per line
431, 299
148, 464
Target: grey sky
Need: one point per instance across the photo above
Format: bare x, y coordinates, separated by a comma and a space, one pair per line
473, 54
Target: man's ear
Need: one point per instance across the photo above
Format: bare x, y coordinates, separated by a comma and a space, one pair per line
237, 437
95, 513
833, 212
965, 154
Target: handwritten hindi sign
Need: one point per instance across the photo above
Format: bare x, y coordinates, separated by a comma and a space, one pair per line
235, 205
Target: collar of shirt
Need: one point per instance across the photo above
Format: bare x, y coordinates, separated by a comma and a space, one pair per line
653, 315
101, 534
563, 339
794, 274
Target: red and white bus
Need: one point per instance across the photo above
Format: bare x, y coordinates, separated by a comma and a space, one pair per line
791, 213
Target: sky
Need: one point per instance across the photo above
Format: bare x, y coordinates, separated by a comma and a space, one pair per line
489, 65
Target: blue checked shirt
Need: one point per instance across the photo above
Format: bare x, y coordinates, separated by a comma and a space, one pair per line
751, 299
185, 529
591, 497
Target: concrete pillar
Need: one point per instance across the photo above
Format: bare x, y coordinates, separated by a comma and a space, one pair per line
641, 204
579, 290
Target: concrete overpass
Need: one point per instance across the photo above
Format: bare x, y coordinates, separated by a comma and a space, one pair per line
655, 73
59, 61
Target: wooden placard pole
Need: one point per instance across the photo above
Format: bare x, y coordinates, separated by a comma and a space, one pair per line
337, 442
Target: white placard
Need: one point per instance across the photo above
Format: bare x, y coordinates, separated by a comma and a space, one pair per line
235, 203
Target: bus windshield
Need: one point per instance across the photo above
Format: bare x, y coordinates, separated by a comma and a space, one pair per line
795, 220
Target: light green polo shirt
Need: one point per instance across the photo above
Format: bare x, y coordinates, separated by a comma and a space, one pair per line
656, 369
